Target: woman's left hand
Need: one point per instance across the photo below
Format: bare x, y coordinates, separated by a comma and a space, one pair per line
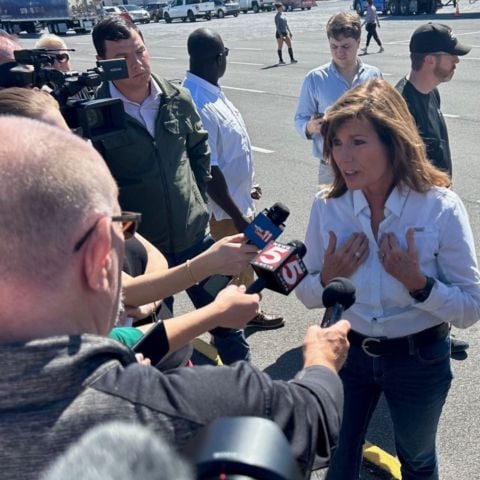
400, 264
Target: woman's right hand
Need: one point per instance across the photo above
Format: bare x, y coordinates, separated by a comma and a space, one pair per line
230, 255
345, 261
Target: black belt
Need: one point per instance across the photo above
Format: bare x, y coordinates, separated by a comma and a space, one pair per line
378, 346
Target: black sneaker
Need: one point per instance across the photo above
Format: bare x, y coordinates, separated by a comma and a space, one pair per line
266, 321
293, 61
281, 62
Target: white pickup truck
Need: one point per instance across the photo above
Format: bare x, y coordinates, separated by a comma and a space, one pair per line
188, 10
256, 5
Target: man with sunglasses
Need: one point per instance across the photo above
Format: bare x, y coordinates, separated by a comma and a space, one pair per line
162, 163
230, 149
61, 252
434, 52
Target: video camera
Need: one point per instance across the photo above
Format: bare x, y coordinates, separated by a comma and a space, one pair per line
242, 448
93, 119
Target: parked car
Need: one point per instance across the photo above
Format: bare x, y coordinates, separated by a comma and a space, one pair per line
116, 11
137, 13
399, 7
156, 10
256, 5
226, 7
302, 4
188, 10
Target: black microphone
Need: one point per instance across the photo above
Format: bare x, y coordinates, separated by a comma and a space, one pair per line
279, 267
338, 296
266, 227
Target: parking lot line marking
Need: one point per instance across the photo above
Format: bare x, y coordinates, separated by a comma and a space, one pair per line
262, 150
163, 58
248, 48
251, 90
246, 63
449, 115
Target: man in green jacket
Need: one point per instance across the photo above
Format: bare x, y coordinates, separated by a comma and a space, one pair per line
162, 163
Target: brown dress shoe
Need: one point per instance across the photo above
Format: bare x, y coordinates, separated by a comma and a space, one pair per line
266, 321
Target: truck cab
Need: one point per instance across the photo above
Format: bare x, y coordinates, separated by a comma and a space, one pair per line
399, 7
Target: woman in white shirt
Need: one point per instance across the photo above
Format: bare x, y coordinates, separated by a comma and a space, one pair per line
390, 224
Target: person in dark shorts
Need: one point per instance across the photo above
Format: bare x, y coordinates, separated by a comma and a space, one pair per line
283, 34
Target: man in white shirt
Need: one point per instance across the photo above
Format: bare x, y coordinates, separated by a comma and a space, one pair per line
324, 85
230, 146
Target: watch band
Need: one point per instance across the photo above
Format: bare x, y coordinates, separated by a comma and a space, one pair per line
422, 294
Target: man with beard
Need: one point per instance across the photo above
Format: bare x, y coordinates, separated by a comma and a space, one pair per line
434, 52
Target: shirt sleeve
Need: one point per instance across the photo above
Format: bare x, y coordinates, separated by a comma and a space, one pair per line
198, 151
310, 290
307, 106
455, 297
307, 409
214, 139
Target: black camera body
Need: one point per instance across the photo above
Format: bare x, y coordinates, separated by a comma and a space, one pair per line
93, 119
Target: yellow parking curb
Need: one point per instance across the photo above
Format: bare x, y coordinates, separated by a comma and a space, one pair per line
382, 459
208, 350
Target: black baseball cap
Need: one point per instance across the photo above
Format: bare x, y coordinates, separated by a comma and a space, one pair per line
436, 37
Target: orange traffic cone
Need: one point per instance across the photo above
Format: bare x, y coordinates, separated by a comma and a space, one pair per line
457, 10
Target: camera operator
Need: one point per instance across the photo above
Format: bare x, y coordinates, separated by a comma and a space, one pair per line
62, 376
62, 61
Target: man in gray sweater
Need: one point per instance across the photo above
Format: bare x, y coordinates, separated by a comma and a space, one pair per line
61, 249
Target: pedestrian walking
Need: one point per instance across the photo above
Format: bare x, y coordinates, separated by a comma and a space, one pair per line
371, 22
283, 34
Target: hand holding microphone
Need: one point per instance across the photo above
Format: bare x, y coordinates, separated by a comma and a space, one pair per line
338, 296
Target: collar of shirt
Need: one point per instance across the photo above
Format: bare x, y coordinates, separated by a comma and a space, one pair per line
216, 90
145, 112
394, 204
360, 68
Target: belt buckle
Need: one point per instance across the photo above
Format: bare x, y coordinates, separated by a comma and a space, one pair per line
364, 346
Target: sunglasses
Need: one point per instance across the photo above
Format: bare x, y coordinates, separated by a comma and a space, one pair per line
225, 52
62, 57
129, 221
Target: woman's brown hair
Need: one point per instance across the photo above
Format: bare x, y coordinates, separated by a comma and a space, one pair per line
379, 103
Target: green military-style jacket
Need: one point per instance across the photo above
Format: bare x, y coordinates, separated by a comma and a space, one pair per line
164, 177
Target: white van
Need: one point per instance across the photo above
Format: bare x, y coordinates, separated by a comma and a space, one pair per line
188, 10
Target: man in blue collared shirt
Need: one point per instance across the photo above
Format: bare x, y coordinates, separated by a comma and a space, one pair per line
325, 84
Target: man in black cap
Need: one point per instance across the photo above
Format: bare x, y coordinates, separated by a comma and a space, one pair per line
434, 52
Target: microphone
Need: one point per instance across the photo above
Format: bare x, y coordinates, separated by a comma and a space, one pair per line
279, 267
338, 296
264, 228
267, 226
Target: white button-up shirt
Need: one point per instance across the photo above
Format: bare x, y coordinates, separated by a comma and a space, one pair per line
321, 88
229, 142
146, 112
446, 252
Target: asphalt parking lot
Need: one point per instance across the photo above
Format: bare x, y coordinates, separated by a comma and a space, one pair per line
266, 94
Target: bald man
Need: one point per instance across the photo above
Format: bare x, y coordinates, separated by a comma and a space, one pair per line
231, 156
61, 252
